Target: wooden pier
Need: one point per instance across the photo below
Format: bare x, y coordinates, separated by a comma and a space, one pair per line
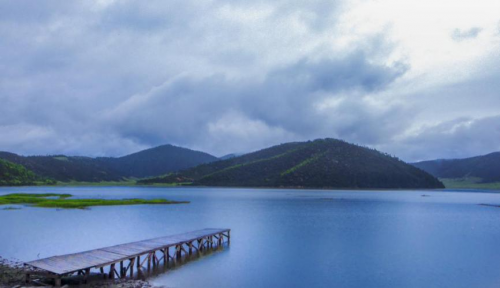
122, 259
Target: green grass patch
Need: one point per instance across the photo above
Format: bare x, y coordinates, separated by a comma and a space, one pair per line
250, 163
303, 163
469, 183
53, 200
128, 182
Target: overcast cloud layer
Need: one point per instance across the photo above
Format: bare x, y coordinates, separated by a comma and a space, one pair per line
416, 79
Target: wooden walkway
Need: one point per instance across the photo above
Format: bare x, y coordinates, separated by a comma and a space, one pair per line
127, 256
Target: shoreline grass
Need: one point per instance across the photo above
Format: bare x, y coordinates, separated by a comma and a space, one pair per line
469, 183
92, 184
128, 183
53, 200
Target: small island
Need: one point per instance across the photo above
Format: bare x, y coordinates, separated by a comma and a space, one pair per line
54, 200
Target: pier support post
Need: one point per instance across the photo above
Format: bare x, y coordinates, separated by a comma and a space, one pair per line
101, 269
122, 274
57, 281
112, 271
86, 276
149, 262
139, 266
178, 250
131, 267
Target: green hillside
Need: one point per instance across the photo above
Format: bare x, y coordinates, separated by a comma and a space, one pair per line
16, 175
65, 169
323, 163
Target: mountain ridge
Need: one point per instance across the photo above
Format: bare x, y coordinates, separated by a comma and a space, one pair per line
322, 163
484, 167
150, 162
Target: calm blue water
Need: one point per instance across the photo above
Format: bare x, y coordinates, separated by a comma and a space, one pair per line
284, 238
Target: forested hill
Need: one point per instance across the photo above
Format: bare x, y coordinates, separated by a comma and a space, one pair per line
151, 162
157, 161
323, 163
16, 175
486, 168
65, 169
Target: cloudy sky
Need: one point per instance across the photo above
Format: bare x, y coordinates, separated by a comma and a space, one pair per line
417, 79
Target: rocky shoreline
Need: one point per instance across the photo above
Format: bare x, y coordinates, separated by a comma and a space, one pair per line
12, 275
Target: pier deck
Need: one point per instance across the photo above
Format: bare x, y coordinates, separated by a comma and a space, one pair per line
128, 255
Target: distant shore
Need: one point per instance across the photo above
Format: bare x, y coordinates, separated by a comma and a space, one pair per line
493, 187
163, 185
469, 183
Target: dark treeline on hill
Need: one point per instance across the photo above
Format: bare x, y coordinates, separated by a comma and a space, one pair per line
151, 162
16, 175
486, 168
157, 161
323, 163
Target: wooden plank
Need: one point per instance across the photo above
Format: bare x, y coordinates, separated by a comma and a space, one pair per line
123, 250
53, 264
77, 261
146, 245
166, 241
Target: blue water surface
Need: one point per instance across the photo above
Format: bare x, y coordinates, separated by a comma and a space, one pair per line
283, 238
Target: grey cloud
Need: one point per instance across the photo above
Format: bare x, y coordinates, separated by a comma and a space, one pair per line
333, 75
78, 77
459, 35
34, 12
458, 138
185, 109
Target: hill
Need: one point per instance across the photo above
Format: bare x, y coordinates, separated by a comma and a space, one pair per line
323, 163
150, 162
157, 161
64, 168
485, 169
16, 175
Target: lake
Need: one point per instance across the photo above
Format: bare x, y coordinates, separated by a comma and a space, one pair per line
283, 238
